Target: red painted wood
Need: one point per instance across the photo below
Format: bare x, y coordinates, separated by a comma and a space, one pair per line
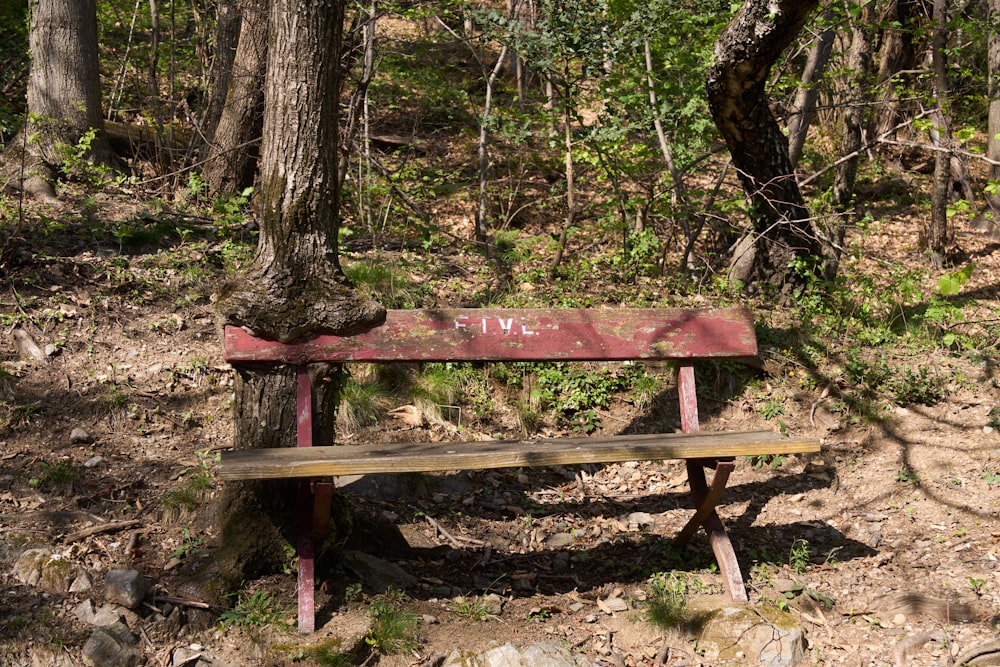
306, 546
492, 334
306, 554
687, 393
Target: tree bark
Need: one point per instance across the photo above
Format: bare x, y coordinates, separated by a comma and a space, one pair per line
227, 36
294, 287
936, 236
808, 93
744, 54
859, 64
993, 147
64, 96
235, 145
898, 54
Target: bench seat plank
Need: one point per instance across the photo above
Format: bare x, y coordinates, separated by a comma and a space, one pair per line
519, 334
426, 457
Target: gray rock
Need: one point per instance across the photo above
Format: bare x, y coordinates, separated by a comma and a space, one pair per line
46, 570
375, 573
542, 654
79, 436
743, 633
83, 582
126, 587
86, 613
112, 646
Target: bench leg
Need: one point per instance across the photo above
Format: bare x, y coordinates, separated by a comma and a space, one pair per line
706, 498
307, 554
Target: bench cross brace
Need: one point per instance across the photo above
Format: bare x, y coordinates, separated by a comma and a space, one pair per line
706, 497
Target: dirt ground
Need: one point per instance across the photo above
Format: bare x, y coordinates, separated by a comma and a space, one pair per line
897, 515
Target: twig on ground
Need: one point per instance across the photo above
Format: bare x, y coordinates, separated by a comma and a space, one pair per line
197, 604
455, 540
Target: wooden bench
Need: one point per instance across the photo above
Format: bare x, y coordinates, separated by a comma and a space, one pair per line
508, 335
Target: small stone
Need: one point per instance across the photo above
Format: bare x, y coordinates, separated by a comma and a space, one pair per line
79, 436
83, 582
987, 430
558, 540
93, 461
52, 350
640, 519
126, 587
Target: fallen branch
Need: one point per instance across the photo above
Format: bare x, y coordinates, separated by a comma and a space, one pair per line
103, 528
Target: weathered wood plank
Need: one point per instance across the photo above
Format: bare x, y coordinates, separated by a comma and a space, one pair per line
494, 334
425, 457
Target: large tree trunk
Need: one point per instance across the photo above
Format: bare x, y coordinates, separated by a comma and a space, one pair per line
235, 143
64, 96
294, 286
744, 54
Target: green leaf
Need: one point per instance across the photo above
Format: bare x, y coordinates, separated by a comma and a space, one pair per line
951, 283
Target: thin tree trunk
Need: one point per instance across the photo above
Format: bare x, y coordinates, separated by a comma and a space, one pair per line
859, 64
936, 236
807, 94
677, 194
570, 218
484, 157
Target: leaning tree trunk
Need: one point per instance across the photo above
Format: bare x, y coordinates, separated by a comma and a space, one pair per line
744, 54
64, 96
805, 97
234, 149
294, 287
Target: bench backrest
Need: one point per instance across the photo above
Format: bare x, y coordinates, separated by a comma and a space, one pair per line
505, 334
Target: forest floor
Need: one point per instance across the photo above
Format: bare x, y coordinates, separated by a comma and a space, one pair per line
884, 546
